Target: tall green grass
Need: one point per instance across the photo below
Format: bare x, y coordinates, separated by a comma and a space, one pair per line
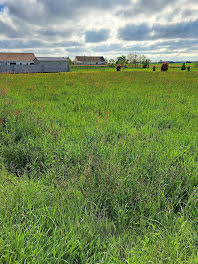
99, 167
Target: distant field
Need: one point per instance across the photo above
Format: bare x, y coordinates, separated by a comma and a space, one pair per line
175, 65
172, 66
99, 167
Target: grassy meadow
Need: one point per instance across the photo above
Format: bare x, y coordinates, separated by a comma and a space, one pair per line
131, 67
99, 167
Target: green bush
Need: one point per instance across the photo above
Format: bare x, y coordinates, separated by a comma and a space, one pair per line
145, 63
183, 68
119, 67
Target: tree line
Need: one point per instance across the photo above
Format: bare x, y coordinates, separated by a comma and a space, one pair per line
133, 60
130, 60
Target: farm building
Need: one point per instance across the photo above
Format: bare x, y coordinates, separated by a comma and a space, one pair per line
89, 60
29, 63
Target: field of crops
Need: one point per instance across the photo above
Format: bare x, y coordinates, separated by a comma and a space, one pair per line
99, 167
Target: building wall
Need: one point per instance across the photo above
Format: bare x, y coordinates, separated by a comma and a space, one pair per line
59, 66
17, 63
88, 63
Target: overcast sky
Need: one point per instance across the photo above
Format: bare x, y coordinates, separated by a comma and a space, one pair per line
159, 29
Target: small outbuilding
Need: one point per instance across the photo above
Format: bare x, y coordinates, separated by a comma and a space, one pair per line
89, 60
54, 64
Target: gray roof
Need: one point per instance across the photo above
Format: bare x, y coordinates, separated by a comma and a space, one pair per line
51, 59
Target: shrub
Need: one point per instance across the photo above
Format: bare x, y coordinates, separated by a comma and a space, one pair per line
118, 67
111, 63
188, 68
183, 68
154, 68
164, 66
145, 63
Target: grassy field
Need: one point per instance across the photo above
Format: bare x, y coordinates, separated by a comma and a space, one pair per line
99, 167
172, 67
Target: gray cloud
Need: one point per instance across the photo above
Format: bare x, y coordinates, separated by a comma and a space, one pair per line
174, 44
107, 48
28, 32
133, 32
146, 7
97, 36
26, 44
72, 7
21, 30
185, 30
77, 50
18, 44
41, 11
179, 30
51, 33
7, 30
190, 13
160, 47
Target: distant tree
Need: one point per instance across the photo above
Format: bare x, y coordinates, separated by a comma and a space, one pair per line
164, 66
183, 68
146, 63
133, 59
111, 63
70, 61
122, 60
106, 60
196, 64
142, 59
161, 61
